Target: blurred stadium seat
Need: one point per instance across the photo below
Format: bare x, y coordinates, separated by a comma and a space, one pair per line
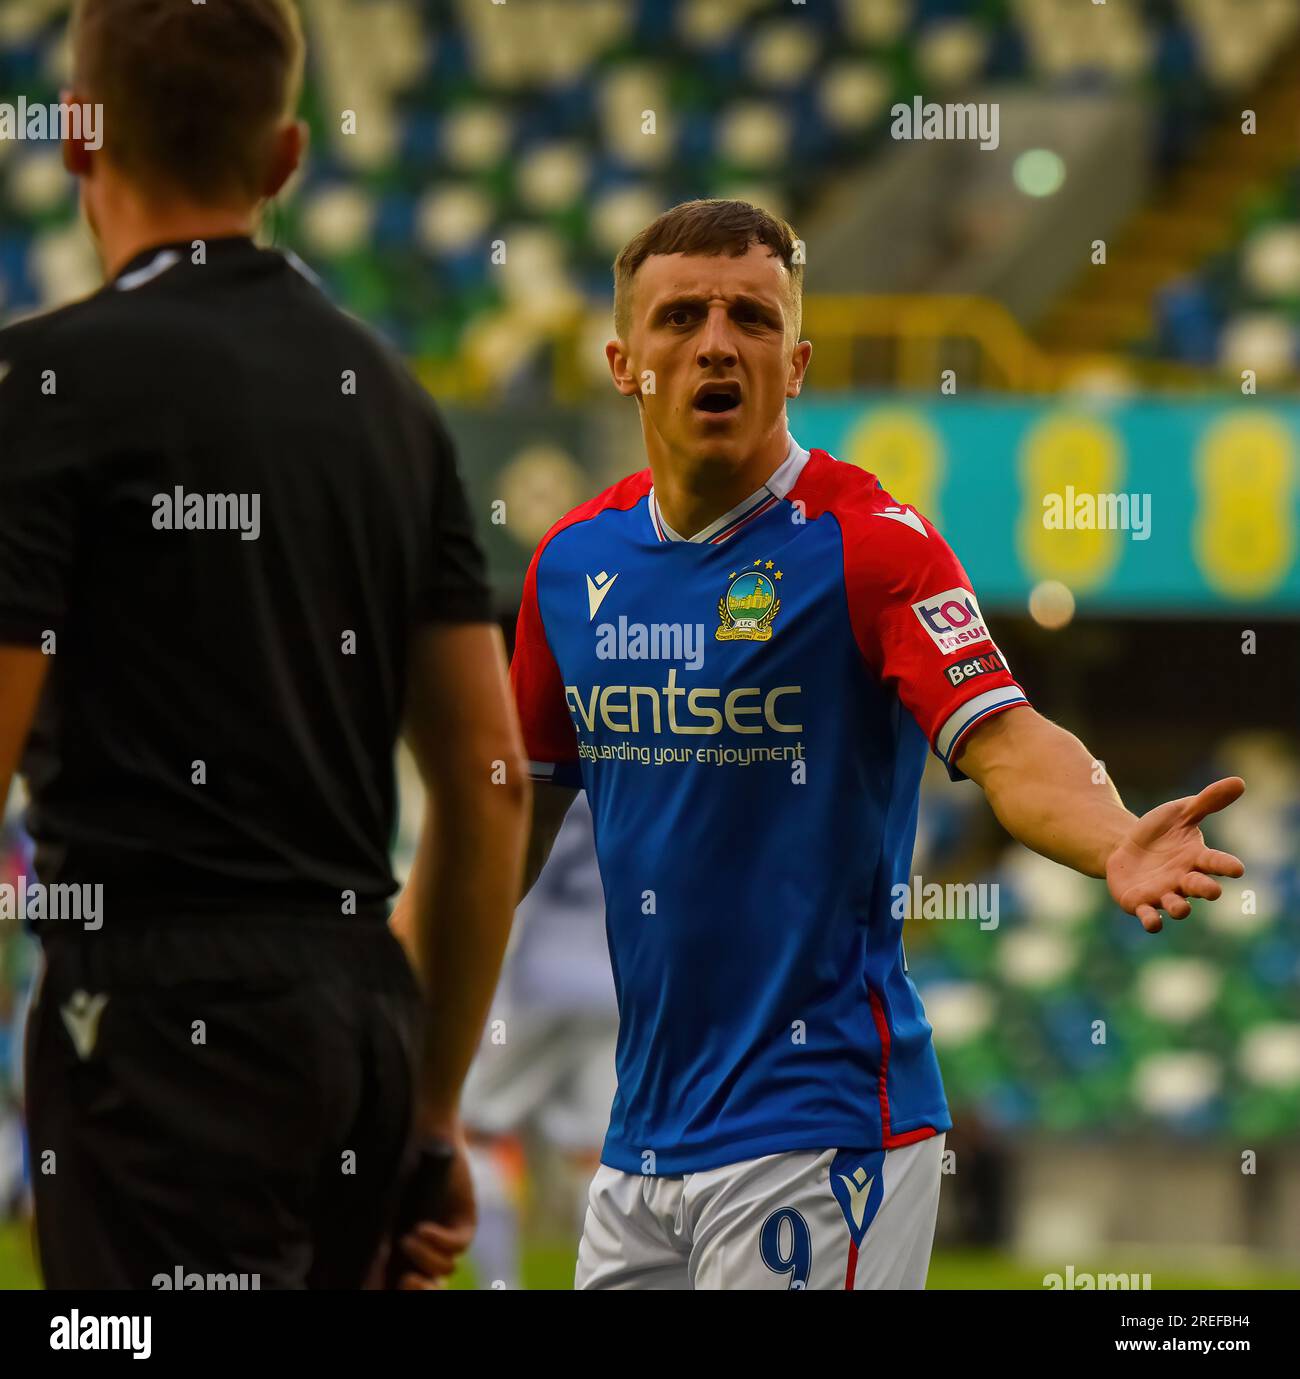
471, 126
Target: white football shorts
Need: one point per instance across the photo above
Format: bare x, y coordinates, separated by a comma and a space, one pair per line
834, 1219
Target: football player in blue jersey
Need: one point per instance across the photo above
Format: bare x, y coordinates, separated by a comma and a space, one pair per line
742, 653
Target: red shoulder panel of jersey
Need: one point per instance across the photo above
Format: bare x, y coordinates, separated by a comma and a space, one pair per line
912, 606
854, 496
624, 494
549, 738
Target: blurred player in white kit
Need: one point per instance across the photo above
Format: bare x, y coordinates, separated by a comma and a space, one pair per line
546, 1064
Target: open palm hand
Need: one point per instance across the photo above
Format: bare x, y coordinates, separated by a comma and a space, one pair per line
1164, 862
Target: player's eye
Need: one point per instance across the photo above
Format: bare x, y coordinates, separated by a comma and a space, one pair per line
679, 316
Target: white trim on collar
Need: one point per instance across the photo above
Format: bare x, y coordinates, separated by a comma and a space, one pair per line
791, 467
156, 267
782, 480
296, 263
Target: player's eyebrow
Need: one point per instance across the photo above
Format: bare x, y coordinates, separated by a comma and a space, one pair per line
762, 305
691, 300
677, 302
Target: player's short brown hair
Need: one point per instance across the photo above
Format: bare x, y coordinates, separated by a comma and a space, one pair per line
192, 94
707, 227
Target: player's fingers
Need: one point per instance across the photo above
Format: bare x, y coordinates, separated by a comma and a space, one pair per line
433, 1262
1202, 887
1174, 905
449, 1240
417, 1283
1218, 795
1219, 863
1150, 918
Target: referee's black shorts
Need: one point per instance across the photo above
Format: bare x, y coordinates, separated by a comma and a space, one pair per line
224, 1098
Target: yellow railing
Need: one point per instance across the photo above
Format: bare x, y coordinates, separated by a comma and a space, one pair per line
868, 342
908, 342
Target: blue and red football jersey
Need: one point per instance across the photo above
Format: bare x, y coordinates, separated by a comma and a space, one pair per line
748, 711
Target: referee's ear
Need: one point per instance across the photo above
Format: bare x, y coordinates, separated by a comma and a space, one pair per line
287, 152
76, 154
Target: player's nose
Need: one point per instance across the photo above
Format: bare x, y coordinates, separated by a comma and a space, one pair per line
716, 344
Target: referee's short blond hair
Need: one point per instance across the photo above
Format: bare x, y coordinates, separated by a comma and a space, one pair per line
192, 95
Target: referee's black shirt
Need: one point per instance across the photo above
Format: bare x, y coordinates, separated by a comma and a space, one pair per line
223, 700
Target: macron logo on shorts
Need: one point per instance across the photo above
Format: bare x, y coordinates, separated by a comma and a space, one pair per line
81, 1019
953, 619
858, 1182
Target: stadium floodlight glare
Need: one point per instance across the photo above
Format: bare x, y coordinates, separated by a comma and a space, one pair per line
1051, 604
1038, 172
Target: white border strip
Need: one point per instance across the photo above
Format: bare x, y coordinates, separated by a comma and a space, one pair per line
155, 268
965, 715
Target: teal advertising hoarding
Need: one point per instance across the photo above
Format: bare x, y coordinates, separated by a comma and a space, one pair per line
1136, 507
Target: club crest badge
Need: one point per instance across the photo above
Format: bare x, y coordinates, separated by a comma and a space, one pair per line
747, 610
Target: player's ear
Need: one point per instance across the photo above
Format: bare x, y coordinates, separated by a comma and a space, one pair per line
798, 368
620, 368
287, 151
76, 154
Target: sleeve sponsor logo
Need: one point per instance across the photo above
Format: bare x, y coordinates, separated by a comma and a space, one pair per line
953, 620
987, 664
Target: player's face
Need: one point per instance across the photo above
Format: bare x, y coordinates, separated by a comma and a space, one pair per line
711, 354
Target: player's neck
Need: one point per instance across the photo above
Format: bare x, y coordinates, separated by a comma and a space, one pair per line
130, 227
692, 494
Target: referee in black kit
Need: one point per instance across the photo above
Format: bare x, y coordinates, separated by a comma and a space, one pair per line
235, 557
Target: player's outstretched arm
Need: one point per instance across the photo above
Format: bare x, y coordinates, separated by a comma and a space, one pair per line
1051, 794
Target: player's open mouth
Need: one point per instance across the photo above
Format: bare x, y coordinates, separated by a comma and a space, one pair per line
718, 399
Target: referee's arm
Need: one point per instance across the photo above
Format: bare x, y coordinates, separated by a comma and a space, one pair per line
455, 912
40, 502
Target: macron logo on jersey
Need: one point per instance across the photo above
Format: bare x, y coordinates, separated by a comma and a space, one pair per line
906, 516
953, 619
596, 590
